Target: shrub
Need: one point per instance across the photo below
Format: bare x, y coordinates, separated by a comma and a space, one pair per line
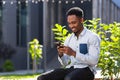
8, 66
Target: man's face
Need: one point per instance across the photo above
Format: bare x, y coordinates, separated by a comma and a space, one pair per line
74, 23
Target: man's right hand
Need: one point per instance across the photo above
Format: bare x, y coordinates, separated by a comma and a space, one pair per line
60, 50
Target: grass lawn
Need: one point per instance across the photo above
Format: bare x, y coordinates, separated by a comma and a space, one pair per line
19, 77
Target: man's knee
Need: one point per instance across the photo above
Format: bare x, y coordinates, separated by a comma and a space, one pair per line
68, 78
40, 77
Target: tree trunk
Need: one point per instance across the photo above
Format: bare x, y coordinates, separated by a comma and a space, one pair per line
34, 65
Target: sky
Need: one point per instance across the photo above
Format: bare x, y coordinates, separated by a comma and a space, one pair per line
117, 2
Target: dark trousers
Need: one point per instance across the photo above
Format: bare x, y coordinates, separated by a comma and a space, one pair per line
68, 74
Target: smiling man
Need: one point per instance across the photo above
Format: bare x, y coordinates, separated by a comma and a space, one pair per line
80, 52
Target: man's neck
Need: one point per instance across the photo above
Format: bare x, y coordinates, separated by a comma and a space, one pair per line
79, 32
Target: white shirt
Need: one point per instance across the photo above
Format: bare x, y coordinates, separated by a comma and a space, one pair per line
90, 59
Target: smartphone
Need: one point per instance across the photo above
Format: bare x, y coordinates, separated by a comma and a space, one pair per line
59, 44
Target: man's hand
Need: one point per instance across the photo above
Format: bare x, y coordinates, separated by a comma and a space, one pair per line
69, 51
60, 50
65, 50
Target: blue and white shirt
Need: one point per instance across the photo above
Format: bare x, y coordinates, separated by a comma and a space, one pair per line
87, 48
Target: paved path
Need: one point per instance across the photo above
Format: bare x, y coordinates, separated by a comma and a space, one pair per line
21, 72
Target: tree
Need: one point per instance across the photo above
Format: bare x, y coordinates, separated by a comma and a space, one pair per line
35, 50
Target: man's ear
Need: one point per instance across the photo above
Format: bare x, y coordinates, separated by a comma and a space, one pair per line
81, 20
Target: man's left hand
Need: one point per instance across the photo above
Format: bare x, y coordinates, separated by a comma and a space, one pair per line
69, 51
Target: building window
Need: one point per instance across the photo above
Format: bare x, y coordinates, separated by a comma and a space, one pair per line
0, 21
21, 24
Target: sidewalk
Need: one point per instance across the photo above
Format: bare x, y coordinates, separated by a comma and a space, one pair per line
21, 72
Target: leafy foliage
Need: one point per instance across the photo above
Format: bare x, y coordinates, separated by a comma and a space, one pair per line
109, 61
60, 33
35, 49
8, 66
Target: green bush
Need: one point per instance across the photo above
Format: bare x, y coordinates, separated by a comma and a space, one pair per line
109, 60
60, 33
8, 66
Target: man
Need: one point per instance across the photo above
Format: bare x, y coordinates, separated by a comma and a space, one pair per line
80, 51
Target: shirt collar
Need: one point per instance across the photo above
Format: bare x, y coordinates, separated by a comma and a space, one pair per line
83, 32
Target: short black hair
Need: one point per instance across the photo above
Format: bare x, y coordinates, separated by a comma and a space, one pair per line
75, 11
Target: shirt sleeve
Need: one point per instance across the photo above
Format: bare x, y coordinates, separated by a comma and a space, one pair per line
92, 56
65, 59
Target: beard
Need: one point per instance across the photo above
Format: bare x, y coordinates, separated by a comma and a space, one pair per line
77, 31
